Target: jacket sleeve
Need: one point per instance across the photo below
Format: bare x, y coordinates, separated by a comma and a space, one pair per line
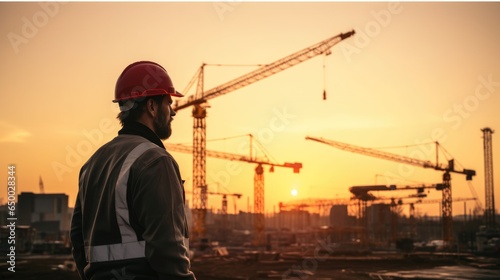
158, 205
78, 248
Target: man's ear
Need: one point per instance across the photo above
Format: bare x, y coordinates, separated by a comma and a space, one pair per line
151, 107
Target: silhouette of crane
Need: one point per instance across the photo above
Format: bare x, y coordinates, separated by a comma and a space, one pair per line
446, 186
40, 185
224, 199
199, 112
398, 201
258, 181
489, 190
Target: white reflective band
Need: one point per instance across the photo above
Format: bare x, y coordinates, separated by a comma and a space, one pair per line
130, 248
121, 207
115, 252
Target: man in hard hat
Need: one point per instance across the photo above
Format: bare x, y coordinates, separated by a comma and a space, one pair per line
129, 220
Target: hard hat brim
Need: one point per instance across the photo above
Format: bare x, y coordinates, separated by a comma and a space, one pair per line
177, 94
149, 94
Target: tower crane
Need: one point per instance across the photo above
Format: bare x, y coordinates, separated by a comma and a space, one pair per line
40, 185
223, 214
363, 195
489, 190
258, 181
361, 192
224, 199
399, 201
199, 112
446, 186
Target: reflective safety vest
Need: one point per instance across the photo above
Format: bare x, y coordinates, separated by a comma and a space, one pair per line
109, 230
129, 247
129, 220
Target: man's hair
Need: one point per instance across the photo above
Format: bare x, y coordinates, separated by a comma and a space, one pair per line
137, 108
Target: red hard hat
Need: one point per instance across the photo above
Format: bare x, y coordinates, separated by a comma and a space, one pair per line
142, 79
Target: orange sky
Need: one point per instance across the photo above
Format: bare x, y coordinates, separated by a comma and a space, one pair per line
411, 71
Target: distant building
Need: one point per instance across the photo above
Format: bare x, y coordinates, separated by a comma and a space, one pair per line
294, 219
379, 222
47, 214
3, 215
339, 216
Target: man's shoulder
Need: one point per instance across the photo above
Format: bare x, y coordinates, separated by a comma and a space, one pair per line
153, 153
128, 142
124, 145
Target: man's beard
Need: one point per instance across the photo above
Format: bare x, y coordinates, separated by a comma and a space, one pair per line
161, 126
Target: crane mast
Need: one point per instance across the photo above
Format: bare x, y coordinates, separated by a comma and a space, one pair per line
199, 113
445, 187
489, 212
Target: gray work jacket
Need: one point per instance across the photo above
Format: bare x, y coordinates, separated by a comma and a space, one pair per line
129, 220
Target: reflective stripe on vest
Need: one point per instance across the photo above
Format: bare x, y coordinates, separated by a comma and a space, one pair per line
130, 248
116, 252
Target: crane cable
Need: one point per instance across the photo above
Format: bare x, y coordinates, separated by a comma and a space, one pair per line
265, 153
324, 76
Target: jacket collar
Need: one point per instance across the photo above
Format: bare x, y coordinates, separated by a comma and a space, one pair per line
136, 128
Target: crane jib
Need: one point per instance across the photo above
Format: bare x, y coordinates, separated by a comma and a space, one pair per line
265, 71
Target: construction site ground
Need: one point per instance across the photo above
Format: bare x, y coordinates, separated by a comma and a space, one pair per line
385, 266
394, 266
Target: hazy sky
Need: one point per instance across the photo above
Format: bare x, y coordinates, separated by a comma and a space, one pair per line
413, 73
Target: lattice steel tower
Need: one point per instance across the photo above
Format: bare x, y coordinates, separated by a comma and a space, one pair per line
489, 212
